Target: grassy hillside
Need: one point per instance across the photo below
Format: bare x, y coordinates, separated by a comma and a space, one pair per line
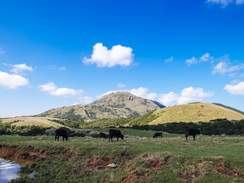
195, 112
32, 121
188, 113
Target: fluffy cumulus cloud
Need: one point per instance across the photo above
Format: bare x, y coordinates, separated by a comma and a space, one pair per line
144, 93
19, 68
225, 3
187, 95
196, 60
54, 90
102, 56
168, 99
12, 81
235, 89
192, 94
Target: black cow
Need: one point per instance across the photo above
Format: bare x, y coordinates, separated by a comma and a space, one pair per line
63, 132
115, 133
104, 135
191, 132
158, 134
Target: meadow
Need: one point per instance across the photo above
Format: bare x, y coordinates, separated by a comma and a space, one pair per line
138, 158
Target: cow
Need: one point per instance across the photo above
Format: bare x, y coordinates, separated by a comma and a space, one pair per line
191, 132
115, 133
63, 132
104, 135
158, 134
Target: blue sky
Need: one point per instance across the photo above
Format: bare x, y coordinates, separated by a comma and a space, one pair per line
55, 53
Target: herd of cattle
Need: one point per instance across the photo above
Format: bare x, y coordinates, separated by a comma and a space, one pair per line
115, 133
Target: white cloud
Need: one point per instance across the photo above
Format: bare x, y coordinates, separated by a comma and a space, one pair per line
235, 89
192, 60
18, 68
192, 94
195, 60
223, 67
189, 94
168, 99
205, 57
85, 99
54, 90
116, 56
225, 3
12, 81
144, 93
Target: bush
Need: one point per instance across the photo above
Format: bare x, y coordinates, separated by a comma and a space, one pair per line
7, 129
215, 127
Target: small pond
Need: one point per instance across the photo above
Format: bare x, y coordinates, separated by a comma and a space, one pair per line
8, 170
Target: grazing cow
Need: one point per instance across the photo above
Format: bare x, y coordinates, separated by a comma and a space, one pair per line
63, 132
191, 132
104, 135
115, 133
158, 134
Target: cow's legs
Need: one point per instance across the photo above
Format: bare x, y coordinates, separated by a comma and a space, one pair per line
186, 137
57, 137
194, 137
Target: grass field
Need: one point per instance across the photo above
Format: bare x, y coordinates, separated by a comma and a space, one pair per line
141, 159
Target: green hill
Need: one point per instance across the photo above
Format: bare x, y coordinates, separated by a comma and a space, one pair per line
194, 112
25, 121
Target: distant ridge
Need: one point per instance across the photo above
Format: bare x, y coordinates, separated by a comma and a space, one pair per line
231, 108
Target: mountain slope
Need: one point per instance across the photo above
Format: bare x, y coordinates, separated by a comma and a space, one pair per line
32, 121
195, 112
112, 106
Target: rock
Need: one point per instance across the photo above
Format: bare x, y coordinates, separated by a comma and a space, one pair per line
112, 165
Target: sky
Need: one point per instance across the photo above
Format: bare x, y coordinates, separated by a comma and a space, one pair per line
56, 53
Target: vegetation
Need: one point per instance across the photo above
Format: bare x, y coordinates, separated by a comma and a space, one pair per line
69, 123
7, 129
194, 112
216, 127
168, 159
104, 123
42, 122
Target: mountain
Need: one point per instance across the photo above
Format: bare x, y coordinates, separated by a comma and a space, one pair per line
194, 112
111, 106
